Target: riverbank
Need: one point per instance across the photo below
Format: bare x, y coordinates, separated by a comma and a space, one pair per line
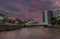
15, 27
9, 27
31, 33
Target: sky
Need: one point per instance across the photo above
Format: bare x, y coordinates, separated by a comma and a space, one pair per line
28, 9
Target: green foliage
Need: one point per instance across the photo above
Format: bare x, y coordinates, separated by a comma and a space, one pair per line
5, 19
53, 20
19, 20
58, 21
8, 20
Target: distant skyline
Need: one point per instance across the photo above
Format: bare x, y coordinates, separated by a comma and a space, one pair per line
28, 8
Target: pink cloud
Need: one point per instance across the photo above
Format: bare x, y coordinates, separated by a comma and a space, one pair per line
14, 17
34, 1
31, 8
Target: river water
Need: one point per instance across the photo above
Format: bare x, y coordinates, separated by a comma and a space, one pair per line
32, 33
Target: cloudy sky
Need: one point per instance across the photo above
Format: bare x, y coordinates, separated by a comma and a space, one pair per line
31, 9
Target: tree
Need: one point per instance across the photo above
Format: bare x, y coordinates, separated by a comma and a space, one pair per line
5, 19
58, 21
11, 21
53, 20
19, 20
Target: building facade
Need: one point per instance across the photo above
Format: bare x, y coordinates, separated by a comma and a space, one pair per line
47, 15
58, 13
2, 15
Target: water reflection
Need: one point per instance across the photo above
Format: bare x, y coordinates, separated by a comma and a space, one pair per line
32, 33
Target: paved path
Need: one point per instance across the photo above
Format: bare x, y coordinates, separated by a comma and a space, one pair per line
32, 33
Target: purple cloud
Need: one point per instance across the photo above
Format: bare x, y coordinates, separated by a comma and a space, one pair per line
28, 8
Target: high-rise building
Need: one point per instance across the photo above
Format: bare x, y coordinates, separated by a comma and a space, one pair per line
47, 15
54, 13
50, 15
58, 13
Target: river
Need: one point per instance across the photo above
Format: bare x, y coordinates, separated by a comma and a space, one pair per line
31, 33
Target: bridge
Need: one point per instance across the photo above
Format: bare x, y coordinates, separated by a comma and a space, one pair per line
35, 23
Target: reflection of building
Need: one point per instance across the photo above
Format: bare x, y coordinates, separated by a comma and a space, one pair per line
47, 15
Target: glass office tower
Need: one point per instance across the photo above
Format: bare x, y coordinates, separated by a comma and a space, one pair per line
46, 16
50, 15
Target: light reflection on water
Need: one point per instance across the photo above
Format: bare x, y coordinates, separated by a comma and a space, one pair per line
32, 33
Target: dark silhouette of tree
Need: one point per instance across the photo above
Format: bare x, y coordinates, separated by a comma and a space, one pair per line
19, 20
11, 21
53, 20
5, 19
58, 21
